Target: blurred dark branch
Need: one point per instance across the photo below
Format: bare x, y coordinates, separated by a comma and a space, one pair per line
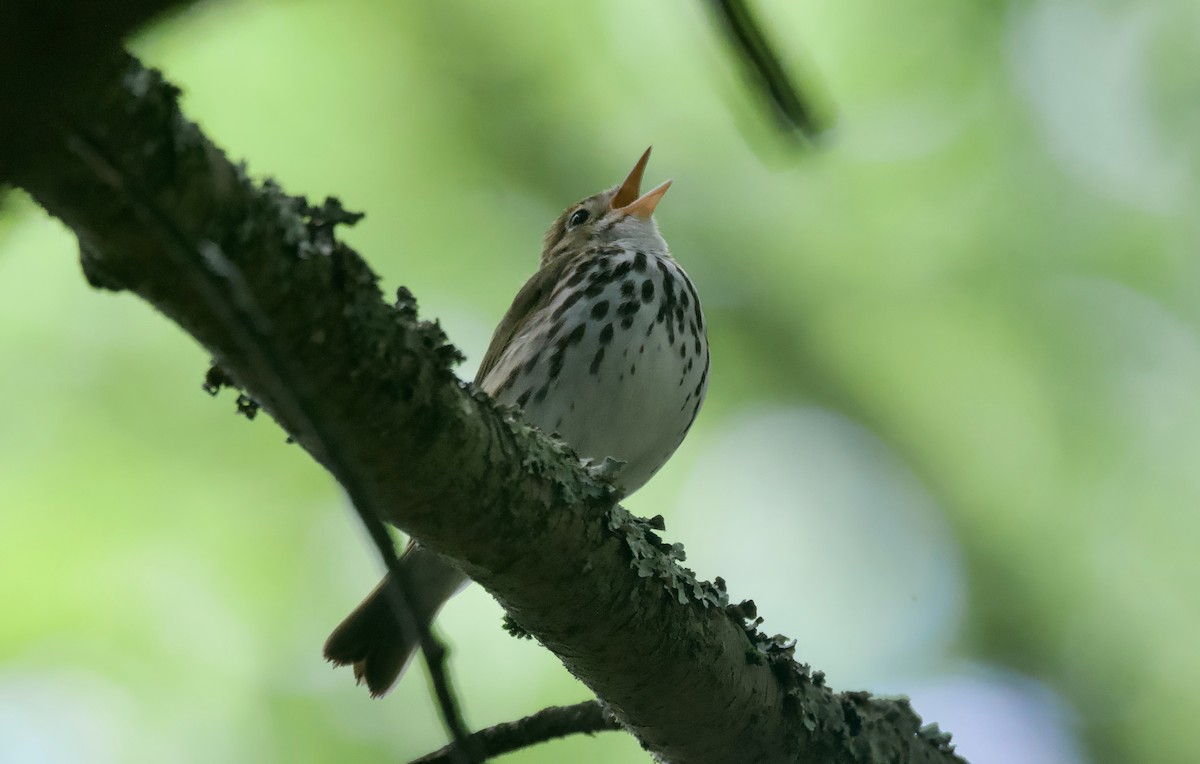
42, 43
765, 69
46, 47
585, 718
220, 288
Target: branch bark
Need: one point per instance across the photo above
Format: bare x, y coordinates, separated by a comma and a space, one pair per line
693, 679
588, 718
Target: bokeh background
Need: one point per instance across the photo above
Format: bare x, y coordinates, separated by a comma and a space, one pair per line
952, 432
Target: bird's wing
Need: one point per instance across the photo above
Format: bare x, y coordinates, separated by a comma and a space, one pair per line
533, 297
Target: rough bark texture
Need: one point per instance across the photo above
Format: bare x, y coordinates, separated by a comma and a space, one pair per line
296, 320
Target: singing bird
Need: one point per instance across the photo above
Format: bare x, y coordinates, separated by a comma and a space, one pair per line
604, 345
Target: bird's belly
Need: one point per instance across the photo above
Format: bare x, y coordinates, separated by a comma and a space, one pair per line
636, 407
625, 382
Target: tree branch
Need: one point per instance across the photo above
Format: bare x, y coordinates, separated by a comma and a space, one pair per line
219, 285
693, 680
585, 718
766, 72
35, 78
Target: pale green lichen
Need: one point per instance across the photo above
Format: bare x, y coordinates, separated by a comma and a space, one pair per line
550, 457
654, 558
935, 735
515, 629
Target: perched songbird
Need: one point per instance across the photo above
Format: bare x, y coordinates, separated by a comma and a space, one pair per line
605, 345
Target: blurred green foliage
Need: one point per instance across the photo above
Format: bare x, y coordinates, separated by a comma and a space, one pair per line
985, 280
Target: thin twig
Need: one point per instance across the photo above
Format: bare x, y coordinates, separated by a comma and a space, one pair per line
217, 279
587, 718
747, 36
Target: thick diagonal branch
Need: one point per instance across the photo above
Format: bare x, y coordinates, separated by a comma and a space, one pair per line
514, 509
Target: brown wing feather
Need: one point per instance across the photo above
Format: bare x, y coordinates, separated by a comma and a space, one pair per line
533, 297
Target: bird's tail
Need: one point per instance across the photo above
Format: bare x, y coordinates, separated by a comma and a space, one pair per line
370, 638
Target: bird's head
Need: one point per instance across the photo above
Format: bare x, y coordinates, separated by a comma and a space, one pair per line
619, 215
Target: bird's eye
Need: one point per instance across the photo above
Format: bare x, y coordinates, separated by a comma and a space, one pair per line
578, 217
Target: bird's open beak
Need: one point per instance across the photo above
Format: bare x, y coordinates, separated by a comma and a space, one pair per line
644, 205
632, 186
627, 199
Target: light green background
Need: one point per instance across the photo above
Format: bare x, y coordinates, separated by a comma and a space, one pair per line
952, 430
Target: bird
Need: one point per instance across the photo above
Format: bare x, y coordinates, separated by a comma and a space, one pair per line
604, 346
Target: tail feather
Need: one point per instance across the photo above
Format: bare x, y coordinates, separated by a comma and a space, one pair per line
370, 638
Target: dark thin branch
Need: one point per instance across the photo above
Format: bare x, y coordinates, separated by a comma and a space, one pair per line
217, 279
764, 67
588, 718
